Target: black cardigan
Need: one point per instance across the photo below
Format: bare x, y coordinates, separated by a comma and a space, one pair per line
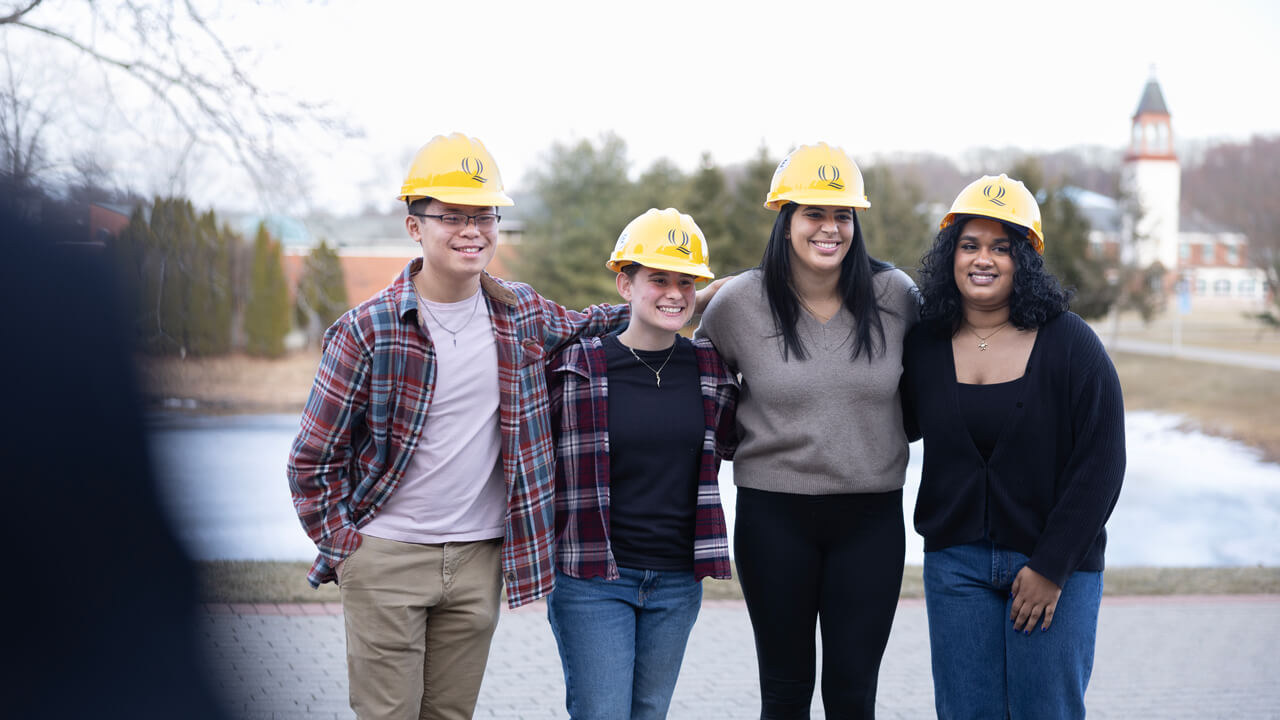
1056, 470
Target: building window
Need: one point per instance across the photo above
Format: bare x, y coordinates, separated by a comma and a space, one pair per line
1247, 286
1200, 287
1222, 287
1233, 255
1184, 251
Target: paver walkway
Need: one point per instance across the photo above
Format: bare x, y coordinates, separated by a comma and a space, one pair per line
1157, 657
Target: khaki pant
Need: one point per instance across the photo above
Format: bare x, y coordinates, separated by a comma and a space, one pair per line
419, 621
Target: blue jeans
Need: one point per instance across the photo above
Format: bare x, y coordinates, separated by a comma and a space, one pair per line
982, 667
622, 641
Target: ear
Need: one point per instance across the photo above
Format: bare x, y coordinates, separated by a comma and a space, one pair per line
624, 286
415, 231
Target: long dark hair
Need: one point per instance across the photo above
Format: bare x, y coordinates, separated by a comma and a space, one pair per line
1037, 296
855, 288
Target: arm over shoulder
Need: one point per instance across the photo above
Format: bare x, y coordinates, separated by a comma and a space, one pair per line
899, 295
561, 326
721, 318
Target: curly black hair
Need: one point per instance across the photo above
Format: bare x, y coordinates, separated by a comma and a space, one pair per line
1037, 297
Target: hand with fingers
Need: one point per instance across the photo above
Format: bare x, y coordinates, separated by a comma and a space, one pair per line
1034, 596
703, 296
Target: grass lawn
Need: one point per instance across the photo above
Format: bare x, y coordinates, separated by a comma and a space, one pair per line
285, 582
1232, 402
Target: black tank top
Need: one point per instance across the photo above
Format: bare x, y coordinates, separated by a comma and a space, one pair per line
985, 409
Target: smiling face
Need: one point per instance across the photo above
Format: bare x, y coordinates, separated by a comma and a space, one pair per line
661, 300
820, 237
984, 264
452, 256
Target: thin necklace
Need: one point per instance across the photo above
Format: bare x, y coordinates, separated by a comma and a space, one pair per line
656, 373
462, 327
983, 345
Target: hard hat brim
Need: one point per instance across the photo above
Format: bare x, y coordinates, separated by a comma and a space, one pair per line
701, 272
458, 196
1033, 237
816, 199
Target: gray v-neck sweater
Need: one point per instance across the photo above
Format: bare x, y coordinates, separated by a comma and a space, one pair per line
824, 425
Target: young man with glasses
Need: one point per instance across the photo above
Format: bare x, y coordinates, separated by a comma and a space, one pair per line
423, 468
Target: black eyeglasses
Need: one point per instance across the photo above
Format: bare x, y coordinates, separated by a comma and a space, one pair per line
483, 221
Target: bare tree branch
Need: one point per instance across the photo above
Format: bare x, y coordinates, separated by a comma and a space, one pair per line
177, 55
16, 15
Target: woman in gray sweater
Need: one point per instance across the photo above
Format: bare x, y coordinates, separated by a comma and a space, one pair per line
816, 335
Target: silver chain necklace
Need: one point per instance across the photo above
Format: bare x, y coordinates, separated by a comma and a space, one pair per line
462, 327
656, 373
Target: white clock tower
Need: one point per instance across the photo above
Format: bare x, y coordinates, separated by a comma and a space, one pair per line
1153, 178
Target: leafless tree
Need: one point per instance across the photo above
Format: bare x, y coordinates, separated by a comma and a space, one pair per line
1238, 184
174, 50
23, 122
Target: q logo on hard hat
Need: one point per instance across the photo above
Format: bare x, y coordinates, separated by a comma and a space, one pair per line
986, 191
832, 182
682, 244
622, 241
468, 163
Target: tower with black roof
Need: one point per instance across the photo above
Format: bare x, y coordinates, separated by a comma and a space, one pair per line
1152, 178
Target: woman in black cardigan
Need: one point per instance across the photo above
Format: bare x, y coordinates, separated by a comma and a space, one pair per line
1023, 425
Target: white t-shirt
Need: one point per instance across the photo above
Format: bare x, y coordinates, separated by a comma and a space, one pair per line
453, 489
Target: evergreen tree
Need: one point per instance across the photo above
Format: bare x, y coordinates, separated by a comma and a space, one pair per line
707, 202
1066, 246
177, 270
171, 274
662, 186
130, 248
322, 291
584, 200
209, 320
750, 222
894, 228
267, 311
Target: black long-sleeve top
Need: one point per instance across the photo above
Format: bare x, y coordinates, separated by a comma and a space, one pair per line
1056, 470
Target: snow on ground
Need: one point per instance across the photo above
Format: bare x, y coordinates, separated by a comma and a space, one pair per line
1189, 499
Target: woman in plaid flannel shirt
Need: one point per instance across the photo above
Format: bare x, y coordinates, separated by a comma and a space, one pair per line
640, 420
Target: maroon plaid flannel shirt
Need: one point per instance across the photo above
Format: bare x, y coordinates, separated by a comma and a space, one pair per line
578, 384
370, 400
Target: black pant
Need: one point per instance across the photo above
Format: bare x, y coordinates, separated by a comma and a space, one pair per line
801, 557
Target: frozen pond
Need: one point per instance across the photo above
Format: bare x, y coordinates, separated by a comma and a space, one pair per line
1188, 500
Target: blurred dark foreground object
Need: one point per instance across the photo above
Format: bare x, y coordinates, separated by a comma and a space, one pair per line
101, 620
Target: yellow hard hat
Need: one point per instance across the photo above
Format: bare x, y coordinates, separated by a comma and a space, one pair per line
1000, 198
817, 175
455, 169
663, 240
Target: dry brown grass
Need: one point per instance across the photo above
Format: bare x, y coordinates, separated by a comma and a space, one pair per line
1233, 402
237, 581
1221, 328
230, 384
272, 582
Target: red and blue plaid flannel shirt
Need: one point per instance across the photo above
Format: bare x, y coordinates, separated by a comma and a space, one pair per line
370, 400
578, 383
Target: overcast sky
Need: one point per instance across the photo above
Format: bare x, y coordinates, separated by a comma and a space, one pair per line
675, 79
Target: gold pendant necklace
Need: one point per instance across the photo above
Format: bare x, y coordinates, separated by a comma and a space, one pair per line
656, 373
982, 346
